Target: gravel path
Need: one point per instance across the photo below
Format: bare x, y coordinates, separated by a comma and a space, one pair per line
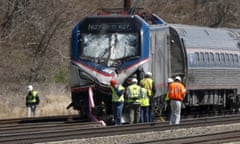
140, 137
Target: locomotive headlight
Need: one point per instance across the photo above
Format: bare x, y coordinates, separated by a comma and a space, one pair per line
85, 76
109, 71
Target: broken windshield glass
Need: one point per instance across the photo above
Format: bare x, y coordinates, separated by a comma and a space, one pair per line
110, 46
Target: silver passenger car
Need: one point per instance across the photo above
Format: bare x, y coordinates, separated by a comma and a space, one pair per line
212, 65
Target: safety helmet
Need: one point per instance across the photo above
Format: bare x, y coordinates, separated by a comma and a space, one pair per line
113, 82
170, 80
148, 74
30, 88
134, 80
178, 78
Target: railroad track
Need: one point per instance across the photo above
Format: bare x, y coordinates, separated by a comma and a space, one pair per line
216, 138
41, 119
46, 132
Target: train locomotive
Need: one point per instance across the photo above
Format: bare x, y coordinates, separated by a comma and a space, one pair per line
121, 44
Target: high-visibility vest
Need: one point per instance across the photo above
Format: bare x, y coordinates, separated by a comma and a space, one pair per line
32, 97
134, 93
147, 83
176, 91
166, 97
145, 98
115, 97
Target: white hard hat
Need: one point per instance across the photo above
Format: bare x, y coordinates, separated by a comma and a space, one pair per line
148, 74
170, 80
178, 78
30, 88
134, 80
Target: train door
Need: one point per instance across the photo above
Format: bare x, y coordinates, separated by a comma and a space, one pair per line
159, 57
178, 55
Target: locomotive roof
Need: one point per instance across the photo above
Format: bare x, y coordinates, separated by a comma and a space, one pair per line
206, 37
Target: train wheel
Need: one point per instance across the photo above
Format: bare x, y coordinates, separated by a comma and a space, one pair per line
237, 104
215, 110
80, 103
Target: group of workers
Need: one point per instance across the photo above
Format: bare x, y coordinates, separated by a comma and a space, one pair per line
138, 98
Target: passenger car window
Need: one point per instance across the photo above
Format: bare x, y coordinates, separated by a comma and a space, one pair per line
231, 58
217, 58
206, 57
222, 60
227, 58
197, 57
201, 57
211, 58
235, 58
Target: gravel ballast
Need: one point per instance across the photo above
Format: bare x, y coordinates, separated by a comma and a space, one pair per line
156, 135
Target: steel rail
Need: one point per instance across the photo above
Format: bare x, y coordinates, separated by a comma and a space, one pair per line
77, 131
216, 138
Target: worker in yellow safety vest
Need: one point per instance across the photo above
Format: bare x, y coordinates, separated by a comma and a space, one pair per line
117, 101
148, 83
32, 100
134, 95
144, 106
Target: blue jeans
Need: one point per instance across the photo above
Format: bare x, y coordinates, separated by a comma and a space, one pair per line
117, 108
151, 111
144, 114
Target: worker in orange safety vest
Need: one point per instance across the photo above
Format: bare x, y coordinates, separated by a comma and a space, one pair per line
176, 93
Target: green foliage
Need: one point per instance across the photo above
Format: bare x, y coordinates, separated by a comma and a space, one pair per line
61, 76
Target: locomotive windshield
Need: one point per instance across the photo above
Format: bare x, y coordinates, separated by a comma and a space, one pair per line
109, 40
110, 46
